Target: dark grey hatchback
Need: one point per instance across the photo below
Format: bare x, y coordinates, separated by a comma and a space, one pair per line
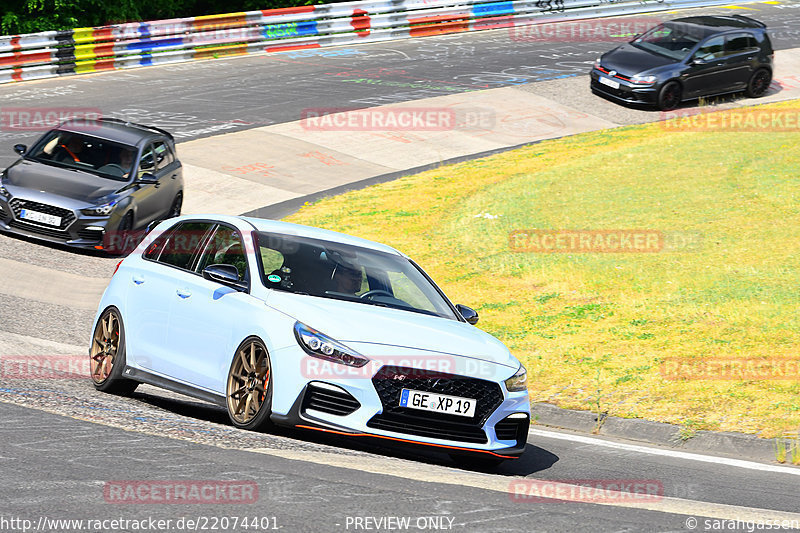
86, 183
685, 59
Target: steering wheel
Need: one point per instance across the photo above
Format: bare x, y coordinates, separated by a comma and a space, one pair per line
376, 292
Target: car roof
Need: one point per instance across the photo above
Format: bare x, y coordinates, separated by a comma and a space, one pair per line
287, 228
113, 130
709, 25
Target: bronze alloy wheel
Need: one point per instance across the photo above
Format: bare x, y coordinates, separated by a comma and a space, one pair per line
107, 355
249, 389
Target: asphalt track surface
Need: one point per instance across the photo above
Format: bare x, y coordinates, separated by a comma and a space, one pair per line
62, 441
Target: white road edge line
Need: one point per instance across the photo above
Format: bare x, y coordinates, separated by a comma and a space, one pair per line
667, 453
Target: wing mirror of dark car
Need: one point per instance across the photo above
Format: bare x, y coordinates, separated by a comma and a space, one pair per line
469, 314
227, 275
147, 179
698, 61
20, 149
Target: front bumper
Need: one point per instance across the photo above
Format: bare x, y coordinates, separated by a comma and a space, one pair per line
627, 92
76, 229
369, 407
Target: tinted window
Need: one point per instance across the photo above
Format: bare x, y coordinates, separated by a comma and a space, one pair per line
178, 246
164, 156
83, 152
337, 271
740, 43
147, 162
225, 248
711, 49
673, 40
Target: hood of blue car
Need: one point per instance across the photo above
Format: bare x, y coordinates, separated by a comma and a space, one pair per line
44, 180
353, 322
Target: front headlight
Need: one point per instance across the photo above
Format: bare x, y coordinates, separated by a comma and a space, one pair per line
320, 345
644, 80
99, 210
597, 62
518, 382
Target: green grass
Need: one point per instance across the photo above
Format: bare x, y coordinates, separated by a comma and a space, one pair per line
593, 329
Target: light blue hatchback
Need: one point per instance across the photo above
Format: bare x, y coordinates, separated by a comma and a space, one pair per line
307, 328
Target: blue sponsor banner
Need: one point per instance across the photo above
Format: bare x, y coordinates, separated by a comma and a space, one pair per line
150, 45
495, 8
289, 29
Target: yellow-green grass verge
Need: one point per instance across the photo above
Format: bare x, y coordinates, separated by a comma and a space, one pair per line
594, 329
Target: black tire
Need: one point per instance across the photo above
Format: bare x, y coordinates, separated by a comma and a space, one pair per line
669, 97
248, 391
759, 83
175, 209
107, 355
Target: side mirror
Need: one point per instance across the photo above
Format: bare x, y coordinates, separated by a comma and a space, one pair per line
698, 61
20, 149
227, 275
147, 179
469, 314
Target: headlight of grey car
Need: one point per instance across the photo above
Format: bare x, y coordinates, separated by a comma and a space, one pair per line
99, 210
518, 382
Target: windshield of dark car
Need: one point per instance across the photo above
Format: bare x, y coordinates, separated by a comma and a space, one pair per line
673, 40
344, 272
83, 152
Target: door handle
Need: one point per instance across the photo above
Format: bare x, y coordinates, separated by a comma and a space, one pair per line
183, 293
174, 176
137, 279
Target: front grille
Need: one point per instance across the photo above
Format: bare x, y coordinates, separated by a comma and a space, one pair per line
336, 402
390, 381
42, 230
17, 205
515, 429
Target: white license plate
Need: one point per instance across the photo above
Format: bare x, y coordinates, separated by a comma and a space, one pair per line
608, 81
43, 218
438, 403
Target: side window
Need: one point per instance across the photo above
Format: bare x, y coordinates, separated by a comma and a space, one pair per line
163, 155
225, 248
712, 49
178, 246
739, 43
147, 161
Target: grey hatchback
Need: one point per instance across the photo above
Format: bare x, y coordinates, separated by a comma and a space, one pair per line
685, 59
85, 183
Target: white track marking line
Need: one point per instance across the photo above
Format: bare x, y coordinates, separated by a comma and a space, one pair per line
666, 453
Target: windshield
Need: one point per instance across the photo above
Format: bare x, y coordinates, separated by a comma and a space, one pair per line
671, 40
343, 272
83, 152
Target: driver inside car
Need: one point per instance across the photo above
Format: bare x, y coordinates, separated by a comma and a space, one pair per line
346, 279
